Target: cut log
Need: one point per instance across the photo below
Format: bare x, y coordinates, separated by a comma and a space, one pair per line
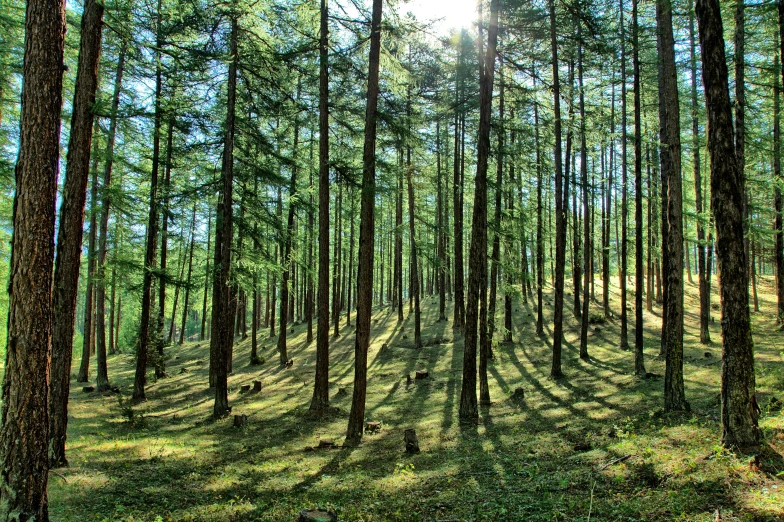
422, 374
245, 388
240, 420
373, 427
257, 386
412, 443
317, 515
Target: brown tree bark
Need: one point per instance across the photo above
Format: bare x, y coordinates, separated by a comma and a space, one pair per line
223, 239
560, 218
152, 229
477, 277
186, 300
639, 360
739, 409
320, 398
41, 94
24, 435
670, 137
777, 198
623, 268
366, 235
586, 202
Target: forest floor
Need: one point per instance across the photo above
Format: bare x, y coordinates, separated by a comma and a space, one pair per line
595, 445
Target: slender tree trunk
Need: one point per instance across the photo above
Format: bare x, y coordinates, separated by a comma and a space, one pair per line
586, 202
320, 398
560, 221
366, 236
478, 253
223, 239
674, 395
623, 274
160, 363
440, 234
458, 322
778, 204
539, 222
207, 278
140, 379
186, 301
495, 256
24, 435
639, 361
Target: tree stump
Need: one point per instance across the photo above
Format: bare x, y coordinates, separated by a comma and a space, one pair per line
518, 395
317, 515
373, 427
245, 388
412, 443
257, 386
88, 389
421, 374
240, 420
289, 363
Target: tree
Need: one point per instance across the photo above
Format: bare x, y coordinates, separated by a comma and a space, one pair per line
672, 213
321, 387
739, 409
639, 363
366, 235
477, 276
69, 239
24, 436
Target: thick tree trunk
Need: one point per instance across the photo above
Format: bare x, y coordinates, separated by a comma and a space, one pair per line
366, 236
24, 436
739, 409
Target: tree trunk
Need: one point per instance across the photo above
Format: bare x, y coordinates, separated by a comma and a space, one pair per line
186, 301
586, 202
207, 278
140, 379
366, 235
639, 361
560, 221
623, 269
24, 436
739, 409
674, 397
478, 253
223, 239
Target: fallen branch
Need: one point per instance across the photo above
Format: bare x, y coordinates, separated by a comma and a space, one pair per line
615, 461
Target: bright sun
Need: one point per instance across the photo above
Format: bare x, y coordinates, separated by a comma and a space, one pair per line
454, 14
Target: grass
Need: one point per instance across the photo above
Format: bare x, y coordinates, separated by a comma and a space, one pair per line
595, 445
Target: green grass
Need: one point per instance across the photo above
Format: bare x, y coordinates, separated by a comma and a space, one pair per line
547, 457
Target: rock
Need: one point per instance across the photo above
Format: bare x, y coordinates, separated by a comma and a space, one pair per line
240, 420
245, 388
412, 443
88, 389
707, 355
373, 427
317, 515
421, 374
257, 386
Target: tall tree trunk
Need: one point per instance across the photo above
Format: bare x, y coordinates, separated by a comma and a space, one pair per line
623, 269
440, 234
160, 362
88, 339
778, 204
366, 236
152, 227
186, 301
639, 287
560, 221
320, 398
458, 321
288, 237
24, 435
739, 409
586, 202
207, 278
478, 252
495, 256
223, 239
102, 381
670, 137
539, 222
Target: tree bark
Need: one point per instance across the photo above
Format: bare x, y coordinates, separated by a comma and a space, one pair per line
24, 435
366, 235
739, 409
639, 360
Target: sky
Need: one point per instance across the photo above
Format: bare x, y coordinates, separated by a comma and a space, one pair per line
454, 13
